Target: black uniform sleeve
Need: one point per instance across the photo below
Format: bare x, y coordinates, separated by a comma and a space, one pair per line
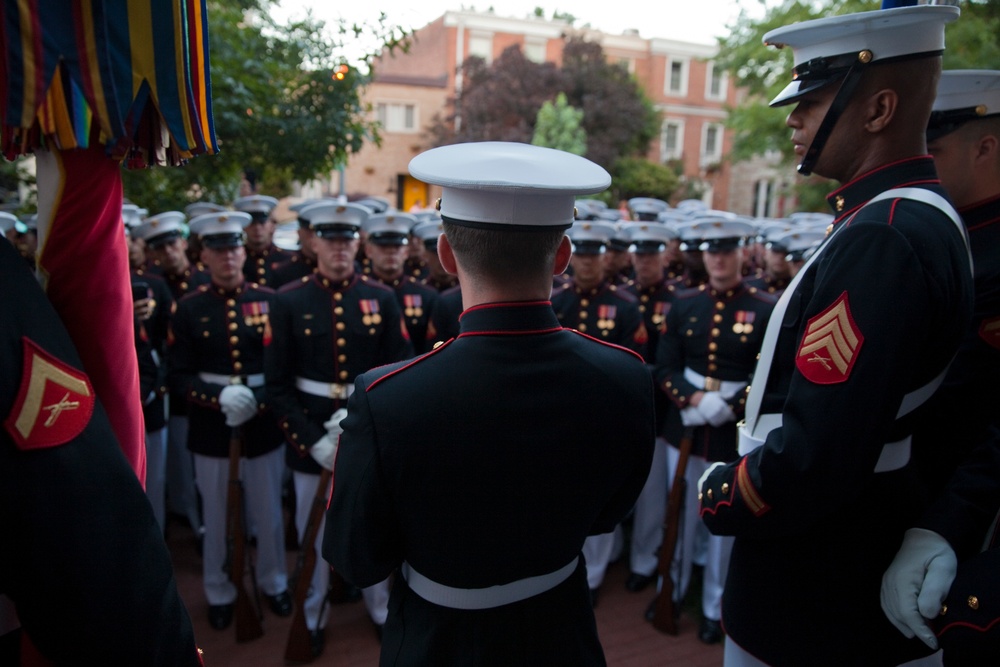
831, 437
361, 539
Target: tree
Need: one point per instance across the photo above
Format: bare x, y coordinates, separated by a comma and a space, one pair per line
638, 177
763, 71
278, 109
620, 120
558, 126
500, 102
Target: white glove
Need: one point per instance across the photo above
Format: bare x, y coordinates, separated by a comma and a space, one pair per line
917, 582
324, 451
237, 402
691, 417
708, 471
715, 409
332, 424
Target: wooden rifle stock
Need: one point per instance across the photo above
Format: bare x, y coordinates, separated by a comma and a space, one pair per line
664, 614
299, 648
247, 614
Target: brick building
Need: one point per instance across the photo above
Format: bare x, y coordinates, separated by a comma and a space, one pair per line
679, 77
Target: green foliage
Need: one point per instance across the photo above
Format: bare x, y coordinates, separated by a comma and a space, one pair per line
558, 126
279, 110
763, 71
638, 177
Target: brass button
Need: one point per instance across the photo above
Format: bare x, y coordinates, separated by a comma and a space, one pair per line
709, 494
715, 332
839, 204
308, 332
236, 354
719, 305
342, 375
341, 358
232, 314
233, 326
713, 346
717, 318
237, 366
583, 315
234, 339
339, 310
973, 602
341, 342
712, 367
725, 488
583, 327
700, 495
338, 297
204, 334
341, 326
584, 302
230, 302
944, 610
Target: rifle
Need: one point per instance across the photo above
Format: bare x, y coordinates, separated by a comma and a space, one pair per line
248, 625
664, 614
299, 648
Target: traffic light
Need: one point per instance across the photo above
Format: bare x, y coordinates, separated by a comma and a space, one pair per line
340, 72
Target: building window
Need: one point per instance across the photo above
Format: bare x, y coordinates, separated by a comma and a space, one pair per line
716, 83
671, 140
677, 77
397, 117
711, 144
481, 45
534, 50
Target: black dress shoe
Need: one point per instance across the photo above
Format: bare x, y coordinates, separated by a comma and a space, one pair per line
710, 632
316, 642
280, 604
220, 615
637, 582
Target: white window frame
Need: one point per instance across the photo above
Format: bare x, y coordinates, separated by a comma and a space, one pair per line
393, 117
678, 152
716, 156
685, 66
481, 44
535, 49
720, 74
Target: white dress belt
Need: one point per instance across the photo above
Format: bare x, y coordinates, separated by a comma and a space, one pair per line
254, 380
728, 388
485, 598
753, 431
334, 390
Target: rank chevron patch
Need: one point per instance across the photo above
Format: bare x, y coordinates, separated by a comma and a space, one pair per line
54, 402
830, 345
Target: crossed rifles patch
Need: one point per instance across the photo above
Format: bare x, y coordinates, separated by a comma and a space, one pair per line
54, 402
830, 345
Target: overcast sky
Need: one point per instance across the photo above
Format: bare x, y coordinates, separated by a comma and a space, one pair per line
688, 20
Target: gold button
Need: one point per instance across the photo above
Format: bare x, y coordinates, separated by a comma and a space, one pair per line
717, 318
725, 488
719, 305
236, 354
230, 302
709, 493
700, 496
234, 339
339, 310
973, 602
237, 366
712, 367
308, 332
338, 297
342, 375
584, 302
341, 358
711, 357
341, 326
204, 334
438, 344
715, 332
944, 610
233, 326
583, 327
260, 261
232, 314
583, 315
839, 203
713, 346
341, 342
184, 286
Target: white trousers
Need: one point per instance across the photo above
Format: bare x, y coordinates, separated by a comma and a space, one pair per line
156, 474
181, 495
693, 536
598, 551
376, 597
647, 517
262, 494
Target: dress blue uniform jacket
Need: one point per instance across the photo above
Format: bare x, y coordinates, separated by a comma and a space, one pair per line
484, 462
815, 526
718, 335
84, 559
223, 333
329, 332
